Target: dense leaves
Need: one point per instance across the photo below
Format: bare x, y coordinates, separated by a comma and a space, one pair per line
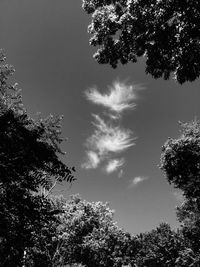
160, 247
180, 160
189, 216
166, 32
29, 161
89, 236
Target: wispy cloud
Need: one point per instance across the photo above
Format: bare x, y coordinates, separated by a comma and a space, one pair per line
119, 98
114, 165
106, 141
137, 180
108, 138
92, 160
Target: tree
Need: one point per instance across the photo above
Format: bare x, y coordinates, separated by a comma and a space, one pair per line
159, 248
166, 32
180, 161
87, 235
29, 161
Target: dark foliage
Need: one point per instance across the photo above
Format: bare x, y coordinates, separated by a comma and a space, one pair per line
160, 247
180, 160
189, 216
29, 161
166, 32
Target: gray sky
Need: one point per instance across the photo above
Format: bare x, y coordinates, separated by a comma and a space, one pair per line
47, 42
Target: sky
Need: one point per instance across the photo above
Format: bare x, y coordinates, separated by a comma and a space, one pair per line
115, 120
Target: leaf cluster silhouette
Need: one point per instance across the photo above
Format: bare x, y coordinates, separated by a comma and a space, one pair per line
165, 32
29, 161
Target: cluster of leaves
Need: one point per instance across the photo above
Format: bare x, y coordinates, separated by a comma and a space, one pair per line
29, 161
88, 235
180, 161
159, 247
166, 32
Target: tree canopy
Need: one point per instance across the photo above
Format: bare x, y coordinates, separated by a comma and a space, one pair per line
160, 247
29, 161
89, 236
165, 32
180, 161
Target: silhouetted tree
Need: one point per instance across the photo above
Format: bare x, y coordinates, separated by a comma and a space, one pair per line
166, 32
161, 247
181, 163
29, 161
180, 160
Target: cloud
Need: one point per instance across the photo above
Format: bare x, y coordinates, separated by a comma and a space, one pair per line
119, 98
109, 138
137, 180
92, 162
113, 165
106, 141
